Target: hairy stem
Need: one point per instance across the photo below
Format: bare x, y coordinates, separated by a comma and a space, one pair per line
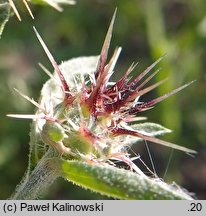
44, 174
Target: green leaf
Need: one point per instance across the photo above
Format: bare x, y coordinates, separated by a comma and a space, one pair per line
151, 129
118, 183
5, 10
147, 128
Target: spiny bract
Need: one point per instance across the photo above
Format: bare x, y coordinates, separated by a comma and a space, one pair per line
84, 116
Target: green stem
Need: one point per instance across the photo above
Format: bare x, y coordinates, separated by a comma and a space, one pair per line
44, 174
107, 180
159, 45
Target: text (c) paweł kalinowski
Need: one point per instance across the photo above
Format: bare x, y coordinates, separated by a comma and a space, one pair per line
97, 207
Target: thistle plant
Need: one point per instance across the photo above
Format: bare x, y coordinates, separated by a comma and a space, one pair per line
8, 7
85, 124
53, 3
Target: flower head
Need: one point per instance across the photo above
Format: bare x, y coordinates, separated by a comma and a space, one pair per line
85, 116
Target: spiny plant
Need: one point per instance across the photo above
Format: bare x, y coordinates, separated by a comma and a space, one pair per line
54, 3
9, 6
85, 124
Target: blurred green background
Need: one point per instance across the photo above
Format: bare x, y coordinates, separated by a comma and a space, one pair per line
146, 29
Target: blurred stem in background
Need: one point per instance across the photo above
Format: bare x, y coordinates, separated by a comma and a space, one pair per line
159, 45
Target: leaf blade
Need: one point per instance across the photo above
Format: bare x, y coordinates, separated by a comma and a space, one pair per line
117, 183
